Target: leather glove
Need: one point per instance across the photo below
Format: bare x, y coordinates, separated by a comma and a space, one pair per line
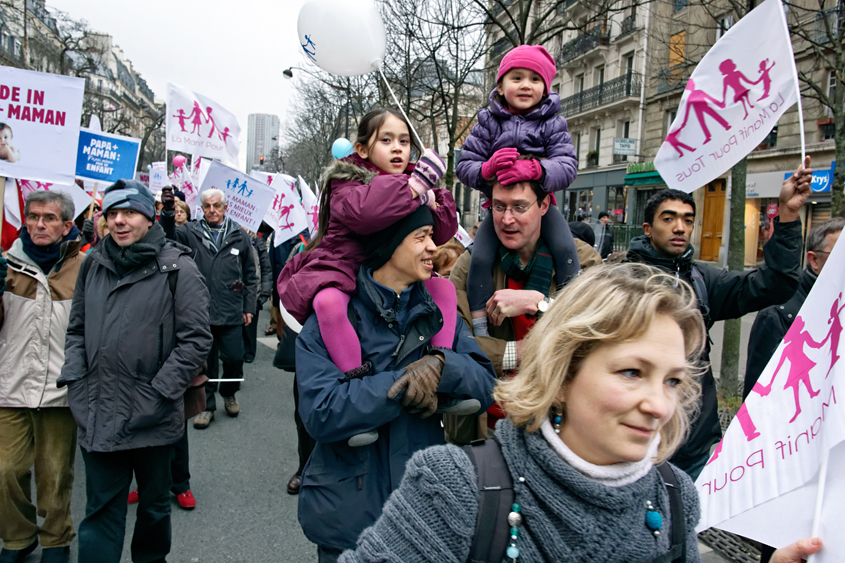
168, 200
420, 383
3, 269
501, 159
427, 172
520, 171
88, 230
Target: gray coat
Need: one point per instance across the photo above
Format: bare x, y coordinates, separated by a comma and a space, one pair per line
223, 267
132, 346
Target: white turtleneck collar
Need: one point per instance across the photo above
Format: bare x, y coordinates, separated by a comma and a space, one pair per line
616, 475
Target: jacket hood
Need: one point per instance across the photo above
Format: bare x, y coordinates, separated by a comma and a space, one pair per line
641, 250
68, 249
352, 167
547, 108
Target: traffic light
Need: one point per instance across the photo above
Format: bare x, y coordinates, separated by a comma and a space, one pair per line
261, 160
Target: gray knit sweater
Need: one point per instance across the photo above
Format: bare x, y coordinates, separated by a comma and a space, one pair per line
567, 516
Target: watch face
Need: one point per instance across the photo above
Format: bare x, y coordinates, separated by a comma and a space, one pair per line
543, 306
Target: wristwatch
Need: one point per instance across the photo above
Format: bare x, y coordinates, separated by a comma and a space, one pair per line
544, 305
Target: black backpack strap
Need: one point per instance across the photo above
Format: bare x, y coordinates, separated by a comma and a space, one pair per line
495, 497
678, 551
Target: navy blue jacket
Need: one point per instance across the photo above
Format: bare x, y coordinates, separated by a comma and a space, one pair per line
344, 488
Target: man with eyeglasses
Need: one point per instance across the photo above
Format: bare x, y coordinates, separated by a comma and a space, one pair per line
223, 253
37, 279
523, 283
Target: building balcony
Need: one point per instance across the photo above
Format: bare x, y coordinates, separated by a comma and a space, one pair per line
672, 78
598, 36
94, 88
629, 25
625, 86
829, 24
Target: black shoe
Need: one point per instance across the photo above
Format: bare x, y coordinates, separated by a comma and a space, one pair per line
55, 554
17, 555
294, 484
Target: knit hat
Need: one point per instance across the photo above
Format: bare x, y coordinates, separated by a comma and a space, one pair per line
380, 246
604, 214
130, 194
532, 57
583, 232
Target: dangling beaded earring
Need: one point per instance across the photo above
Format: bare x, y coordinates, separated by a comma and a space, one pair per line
556, 420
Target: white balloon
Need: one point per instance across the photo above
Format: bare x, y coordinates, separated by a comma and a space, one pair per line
344, 37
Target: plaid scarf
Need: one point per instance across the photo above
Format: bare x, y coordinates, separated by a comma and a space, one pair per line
227, 227
537, 273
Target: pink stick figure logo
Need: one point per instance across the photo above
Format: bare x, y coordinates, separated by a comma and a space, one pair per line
799, 365
182, 118
314, 214
210, 119
835, 332
734, 79
196, 118
765, 78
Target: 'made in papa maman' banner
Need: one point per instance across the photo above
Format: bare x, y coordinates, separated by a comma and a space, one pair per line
39, 125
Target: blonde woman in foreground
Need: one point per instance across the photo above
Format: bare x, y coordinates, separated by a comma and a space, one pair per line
602, 400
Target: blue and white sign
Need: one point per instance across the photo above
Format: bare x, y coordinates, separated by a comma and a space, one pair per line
105, 157
247, 199
822, 179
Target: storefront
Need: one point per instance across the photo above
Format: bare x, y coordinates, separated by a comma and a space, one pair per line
762, 194
594, 192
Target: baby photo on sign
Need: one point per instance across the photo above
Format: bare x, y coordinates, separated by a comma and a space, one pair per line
7, 151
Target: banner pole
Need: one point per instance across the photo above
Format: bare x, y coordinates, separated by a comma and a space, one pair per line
93, 201
817, 516
395, 99
797, 87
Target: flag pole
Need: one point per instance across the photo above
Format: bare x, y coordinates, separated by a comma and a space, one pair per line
797, 87
2, 198
817, 516
93, 201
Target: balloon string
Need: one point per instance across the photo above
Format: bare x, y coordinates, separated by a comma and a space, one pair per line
395, 99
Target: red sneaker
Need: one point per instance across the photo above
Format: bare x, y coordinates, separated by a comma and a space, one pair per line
186, 500
133, 497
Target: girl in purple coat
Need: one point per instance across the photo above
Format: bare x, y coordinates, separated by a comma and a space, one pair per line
363, 194
521, 119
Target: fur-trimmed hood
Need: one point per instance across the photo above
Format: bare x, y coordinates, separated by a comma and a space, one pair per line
355, 168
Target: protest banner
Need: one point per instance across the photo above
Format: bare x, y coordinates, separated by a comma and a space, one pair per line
19, 190
200, 126
143, 177
199, 168
463, 236
286, 214
105, 157
247, 199
736, 94
763, 480
39, 125
158, 176
311, 203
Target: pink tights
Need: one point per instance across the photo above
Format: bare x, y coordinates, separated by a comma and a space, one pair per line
342, 341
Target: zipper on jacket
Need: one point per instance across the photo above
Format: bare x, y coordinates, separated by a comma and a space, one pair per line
398, 346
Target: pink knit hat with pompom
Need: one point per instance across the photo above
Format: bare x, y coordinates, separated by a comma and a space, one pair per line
532, 57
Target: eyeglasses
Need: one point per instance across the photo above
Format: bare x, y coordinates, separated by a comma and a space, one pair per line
517, 210
218, 206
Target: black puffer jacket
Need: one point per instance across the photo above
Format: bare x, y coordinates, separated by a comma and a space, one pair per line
770, 326
229, 268
132, 346
730, 295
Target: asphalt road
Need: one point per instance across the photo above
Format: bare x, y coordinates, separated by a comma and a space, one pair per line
239, 472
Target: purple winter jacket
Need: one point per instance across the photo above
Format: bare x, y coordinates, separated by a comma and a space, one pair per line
363, 202
540, 132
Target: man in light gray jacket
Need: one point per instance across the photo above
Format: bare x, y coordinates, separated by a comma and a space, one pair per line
37, 278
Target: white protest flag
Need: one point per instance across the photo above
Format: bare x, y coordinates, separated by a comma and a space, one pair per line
311, 204
762, 480
81, 200
200, 126
286, 214
732, 100
247, 199
199, 168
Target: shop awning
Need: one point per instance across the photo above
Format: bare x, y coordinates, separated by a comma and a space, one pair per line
644, 178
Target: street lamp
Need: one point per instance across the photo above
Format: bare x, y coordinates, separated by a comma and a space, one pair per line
288, 73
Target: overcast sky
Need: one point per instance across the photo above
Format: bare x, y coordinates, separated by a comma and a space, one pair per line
233, 52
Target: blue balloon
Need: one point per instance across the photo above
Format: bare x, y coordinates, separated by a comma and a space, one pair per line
149, 167
341, 148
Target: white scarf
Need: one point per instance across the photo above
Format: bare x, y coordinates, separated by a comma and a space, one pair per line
616, 475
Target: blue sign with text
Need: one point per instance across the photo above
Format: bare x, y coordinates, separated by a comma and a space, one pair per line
105, 157
822, 179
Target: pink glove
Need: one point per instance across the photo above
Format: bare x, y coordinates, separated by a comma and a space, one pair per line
427, 172
520, 171
501, 159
